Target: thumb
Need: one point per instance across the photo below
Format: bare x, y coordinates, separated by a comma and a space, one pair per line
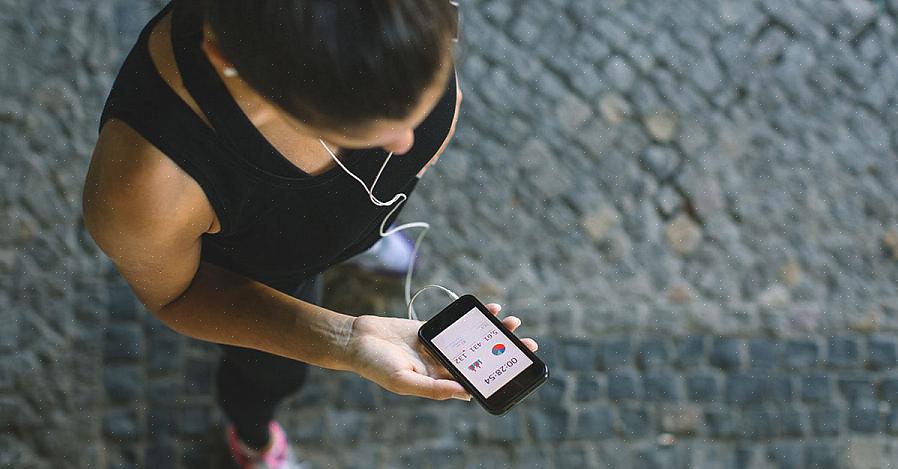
416, 384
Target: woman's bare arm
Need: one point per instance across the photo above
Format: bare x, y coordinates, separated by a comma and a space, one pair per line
148, 216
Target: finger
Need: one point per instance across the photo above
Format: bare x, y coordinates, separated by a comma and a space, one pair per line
416, 384
494, 308
531, 344
511, 322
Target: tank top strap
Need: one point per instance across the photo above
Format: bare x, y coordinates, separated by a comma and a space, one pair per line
231, 124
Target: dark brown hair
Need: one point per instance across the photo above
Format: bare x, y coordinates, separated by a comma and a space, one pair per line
336, 63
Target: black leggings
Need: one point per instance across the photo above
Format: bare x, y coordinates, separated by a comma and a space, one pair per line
251, 383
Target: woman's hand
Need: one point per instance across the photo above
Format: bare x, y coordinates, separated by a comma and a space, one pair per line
388, 352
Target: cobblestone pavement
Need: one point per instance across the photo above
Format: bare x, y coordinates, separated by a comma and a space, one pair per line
692, 205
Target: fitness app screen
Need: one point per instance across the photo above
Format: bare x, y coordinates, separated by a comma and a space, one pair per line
482, 353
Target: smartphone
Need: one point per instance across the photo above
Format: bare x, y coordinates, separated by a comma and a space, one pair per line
482, 355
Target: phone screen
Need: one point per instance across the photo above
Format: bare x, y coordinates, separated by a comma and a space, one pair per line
481, 353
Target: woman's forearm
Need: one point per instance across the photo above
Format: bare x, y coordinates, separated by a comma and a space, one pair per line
223, 307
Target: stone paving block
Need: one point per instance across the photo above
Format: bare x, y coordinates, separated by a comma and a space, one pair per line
653, 353
354, 391
588, 388
571, 455
552, 393
864, 416
123, 342
199, 377
762, 353
816, 387
161, 454
163, 390
745, 388
721, 424
702, 387
760, 423
623, 385
614, 353
505, 429
123, 383
645, 457
162, 421
661, 386
123, 305
888, 390
726, 353
7, 373
194, 420
578, 355
121, 424
854, 388
780, 389
634, 421
367, 455
530, 456
549, 351
785, 455
800, 354
821, 454
794, 422
891, 423
826, 420
346, 426
594, 423
164, 353
844, 352
690, 351
196, 455
549, 425
882, 353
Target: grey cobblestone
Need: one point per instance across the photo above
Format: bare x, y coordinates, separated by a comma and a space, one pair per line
622, 385
762, 128
702, 387
614, 353
816, 387
653, 353
854, 388
864, 416
745, 388
801, 354
595, 423
726, 353
123, 342
661, 386
826, 420
883, 353
844, 352
634, 421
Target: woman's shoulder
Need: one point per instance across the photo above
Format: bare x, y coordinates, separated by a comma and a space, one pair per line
126, 168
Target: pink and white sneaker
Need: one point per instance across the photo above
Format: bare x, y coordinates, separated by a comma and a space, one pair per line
278, 456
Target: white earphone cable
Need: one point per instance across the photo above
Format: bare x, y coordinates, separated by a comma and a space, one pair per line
396, 202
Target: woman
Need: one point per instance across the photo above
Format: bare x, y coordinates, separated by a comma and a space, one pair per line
213, 186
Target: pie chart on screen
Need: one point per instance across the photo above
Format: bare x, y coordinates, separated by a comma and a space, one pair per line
498, 349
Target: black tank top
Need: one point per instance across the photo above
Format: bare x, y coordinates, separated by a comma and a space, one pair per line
279, 225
